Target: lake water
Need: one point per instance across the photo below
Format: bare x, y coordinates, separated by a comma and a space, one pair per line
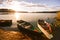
26, 16
30, 17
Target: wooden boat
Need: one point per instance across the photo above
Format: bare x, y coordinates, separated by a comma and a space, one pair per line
45, 27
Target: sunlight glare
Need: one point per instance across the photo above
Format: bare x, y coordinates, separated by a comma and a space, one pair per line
17, 16
15, 6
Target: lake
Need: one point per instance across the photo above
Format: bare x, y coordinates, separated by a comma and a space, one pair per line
26, 16
29, 17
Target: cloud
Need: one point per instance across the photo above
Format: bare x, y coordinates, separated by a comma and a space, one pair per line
56, 8
1, 1
38, 7
26, 6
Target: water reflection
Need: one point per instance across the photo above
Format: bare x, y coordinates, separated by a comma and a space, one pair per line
17, 16
34, 16
26, 16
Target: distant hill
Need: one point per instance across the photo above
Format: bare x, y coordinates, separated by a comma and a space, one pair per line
38, 12
13, 11
6, 10
46, 12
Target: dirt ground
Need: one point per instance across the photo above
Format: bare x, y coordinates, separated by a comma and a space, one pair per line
17, 35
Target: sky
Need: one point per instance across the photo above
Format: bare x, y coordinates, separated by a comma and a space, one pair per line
32, 5
47, 2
